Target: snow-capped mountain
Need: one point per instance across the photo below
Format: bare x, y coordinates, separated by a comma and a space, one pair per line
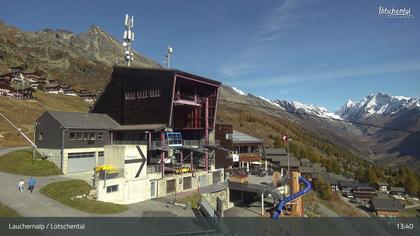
309, 109
293, 107
377, 105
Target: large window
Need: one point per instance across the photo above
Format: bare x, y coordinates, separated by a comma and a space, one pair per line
72, 136
85, 136
100, 136
79, 136
81, 155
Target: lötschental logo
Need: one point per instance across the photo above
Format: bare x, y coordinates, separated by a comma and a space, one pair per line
395, 12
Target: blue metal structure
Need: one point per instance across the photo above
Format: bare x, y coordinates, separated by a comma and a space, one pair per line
174, 139
292, 197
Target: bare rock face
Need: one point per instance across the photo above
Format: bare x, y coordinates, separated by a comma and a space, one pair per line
83, 60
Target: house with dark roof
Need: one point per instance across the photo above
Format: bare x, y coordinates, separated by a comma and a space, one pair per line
397, 190
387, 207
281, 158
364, 191
74, 141
305, 162
247, 148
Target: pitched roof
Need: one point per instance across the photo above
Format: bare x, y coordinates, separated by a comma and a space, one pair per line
397, 189
238, 137
275, 151
387, 204
80, 120
171, 70
349, 183
282, 160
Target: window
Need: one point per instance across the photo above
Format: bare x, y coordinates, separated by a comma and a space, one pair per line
100, 136
81, 155
92, 136
85, 136
155, 93
40, 136
112, 188
79, 136
100, 154
72, 136
130, 95
142, 94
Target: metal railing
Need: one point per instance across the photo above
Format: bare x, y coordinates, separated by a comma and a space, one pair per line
130, 142
153, 169
185, 143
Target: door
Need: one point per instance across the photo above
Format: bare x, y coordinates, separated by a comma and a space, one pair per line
80, 162
153, 189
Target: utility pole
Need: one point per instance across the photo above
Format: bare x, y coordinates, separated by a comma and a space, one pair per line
128, 38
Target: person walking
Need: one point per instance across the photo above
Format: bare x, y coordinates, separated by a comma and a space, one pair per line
20, 185
31, 184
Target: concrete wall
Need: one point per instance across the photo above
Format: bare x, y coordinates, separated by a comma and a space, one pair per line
223, 195
53, 155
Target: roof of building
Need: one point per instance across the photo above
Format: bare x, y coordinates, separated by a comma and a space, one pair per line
349, 183
305, 160
382, 184
275, 151
80, 120
238, 137
176, 71
311, 169
282, 161
387, 204
397, 189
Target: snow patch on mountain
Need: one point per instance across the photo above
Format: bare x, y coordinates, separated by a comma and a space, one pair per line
271, 102
378, 104
309, 109
239, 91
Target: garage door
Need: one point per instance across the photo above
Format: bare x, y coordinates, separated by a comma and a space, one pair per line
80, 162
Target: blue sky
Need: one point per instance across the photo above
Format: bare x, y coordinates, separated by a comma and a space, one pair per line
314, 51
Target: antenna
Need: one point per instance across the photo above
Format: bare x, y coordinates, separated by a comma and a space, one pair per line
128, 38
167, 60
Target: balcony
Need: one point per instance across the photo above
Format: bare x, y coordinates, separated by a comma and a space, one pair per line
184, 99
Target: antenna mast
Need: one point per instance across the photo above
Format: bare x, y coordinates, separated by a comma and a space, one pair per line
167, 60
128, 38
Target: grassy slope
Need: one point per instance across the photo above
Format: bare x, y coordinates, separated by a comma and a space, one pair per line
23, 113
21, 163
5, 211
63, 191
